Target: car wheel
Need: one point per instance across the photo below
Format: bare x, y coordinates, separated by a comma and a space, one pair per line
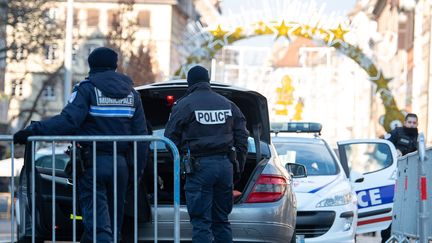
293, 238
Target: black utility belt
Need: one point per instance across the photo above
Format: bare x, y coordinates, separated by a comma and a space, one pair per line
200, 155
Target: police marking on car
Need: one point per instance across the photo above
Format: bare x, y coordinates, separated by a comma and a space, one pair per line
211, 117
375, 196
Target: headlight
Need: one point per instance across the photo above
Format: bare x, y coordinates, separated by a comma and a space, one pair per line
337, 200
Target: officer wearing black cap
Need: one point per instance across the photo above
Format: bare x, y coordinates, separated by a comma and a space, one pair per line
103, 104
206, 126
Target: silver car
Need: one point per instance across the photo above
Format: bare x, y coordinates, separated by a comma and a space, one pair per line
264, 207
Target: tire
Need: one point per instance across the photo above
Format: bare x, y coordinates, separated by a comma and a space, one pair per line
293, 238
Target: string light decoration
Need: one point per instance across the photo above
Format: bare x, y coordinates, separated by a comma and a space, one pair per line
204, 43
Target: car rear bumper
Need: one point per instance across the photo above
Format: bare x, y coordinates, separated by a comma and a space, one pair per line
242, 232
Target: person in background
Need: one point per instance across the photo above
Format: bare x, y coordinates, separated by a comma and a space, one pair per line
405, 140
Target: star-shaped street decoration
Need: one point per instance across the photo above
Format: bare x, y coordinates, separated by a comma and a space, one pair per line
339, 33
238, 32
380, 80
218, 33
233, 35
262, 29
282, 30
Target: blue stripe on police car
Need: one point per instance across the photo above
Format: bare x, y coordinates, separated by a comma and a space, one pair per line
375, 196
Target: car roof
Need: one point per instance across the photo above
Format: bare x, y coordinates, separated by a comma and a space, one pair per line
183, 83
298, 139
48, 150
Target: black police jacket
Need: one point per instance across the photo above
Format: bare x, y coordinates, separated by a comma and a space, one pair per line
404, 139
103, 104
207, 123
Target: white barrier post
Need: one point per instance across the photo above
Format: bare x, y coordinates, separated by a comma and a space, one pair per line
423, 191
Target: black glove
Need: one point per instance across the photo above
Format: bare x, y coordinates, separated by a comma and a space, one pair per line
21, 136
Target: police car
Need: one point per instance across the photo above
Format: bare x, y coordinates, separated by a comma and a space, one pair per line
326, 202
376, 161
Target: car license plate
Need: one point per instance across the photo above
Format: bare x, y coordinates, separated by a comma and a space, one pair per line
300, 239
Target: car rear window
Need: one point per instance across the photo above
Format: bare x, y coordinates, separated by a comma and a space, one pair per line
315, 157
265, 150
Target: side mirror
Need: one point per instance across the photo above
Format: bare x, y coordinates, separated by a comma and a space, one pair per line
356, 177
296, 170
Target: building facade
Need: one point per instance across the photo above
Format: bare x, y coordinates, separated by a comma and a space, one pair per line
155, 24
401, 47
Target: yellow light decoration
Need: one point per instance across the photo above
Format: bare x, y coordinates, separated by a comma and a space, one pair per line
339, 33
298, 110
263, 29
330, 37
218, 33
282, 30
237, 33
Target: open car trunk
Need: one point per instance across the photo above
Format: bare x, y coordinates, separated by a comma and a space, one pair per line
158, 100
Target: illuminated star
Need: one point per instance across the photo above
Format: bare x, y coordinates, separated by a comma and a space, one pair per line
339, 33
233, 35
237, 32
218, 33
380, 80
263, 29
283, 30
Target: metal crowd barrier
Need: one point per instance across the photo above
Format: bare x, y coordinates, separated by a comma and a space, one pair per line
94, 140
412, 201
9, 139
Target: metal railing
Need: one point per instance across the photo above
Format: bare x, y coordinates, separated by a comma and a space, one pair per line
94, 140
412, 196
9, 139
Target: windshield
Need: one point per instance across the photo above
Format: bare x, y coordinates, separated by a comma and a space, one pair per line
265, 150
315, 157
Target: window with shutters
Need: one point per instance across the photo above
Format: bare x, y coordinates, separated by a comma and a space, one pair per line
144, 19
113, 18
51, 52
49, 93
17, 88
92, 17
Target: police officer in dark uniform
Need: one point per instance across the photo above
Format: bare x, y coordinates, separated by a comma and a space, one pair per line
206, 126
405, 140
103, 104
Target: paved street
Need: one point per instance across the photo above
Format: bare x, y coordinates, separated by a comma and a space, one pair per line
5, 230
368, 238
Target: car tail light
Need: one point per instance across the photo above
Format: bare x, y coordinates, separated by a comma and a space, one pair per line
170, 100
268, 188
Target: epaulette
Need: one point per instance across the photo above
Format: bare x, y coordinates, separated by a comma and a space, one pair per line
80, 83
83, 82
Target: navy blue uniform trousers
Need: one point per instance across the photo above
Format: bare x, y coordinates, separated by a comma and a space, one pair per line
104, 198
209, 200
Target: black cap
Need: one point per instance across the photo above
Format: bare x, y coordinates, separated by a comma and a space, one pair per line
197, 74
102, 59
